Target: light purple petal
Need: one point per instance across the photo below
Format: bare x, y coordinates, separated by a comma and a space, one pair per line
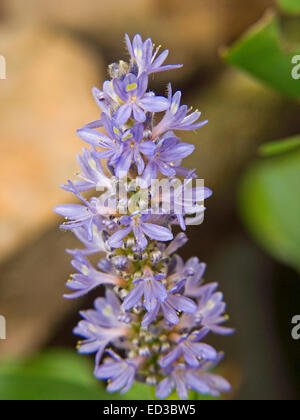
156, 232
183, 304
167, 360
116, 240
154, 103
90, 136
196, 383
138, 114
151, 316
169, 313
133, 297
164, 388
147, 148
71, 211
123, 114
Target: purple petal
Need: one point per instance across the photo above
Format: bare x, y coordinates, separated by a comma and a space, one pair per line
150, 173
170, 313
143, 85
119, 89
139, 162
116, 240
196, 383
154, 103
164, 388
107, 370
123, 114
183, 304
167, 360
181, 387
217, 382
177, 152
151, 316
71, 211
156, 232
138, 114
204, 351
119, 382
140, 237
94, 124
133, 297
147, 148
90, 136
168, 67
160, 60
124, 164
129, 46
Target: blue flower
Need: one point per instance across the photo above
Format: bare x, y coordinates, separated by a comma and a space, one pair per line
168, 152
151, 288
101, 326
171, 307
141, 227
132, 91
92, 174
92, 246
112, 144
79, 215
184, 378
88, 278
119, 372
142, 56
210, 312
192, 351
177, 117
134, 148
156, 310
107, 100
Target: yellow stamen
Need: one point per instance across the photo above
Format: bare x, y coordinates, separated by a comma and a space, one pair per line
131, 87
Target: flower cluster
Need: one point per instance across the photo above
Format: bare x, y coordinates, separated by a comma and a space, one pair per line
156, 311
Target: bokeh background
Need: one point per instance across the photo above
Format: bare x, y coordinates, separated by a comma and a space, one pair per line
55, 52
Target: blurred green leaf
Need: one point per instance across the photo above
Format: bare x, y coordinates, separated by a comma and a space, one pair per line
52, 375
23, 386
261, 53
280, 147
59, 364
290, 6
270, 206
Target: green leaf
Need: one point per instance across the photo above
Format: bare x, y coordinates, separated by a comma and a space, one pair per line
289, 6
52, 375
21, 386
269, 200
59, 364
262, 54
280, 147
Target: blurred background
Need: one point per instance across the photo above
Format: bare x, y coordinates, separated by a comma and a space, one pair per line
238, 71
